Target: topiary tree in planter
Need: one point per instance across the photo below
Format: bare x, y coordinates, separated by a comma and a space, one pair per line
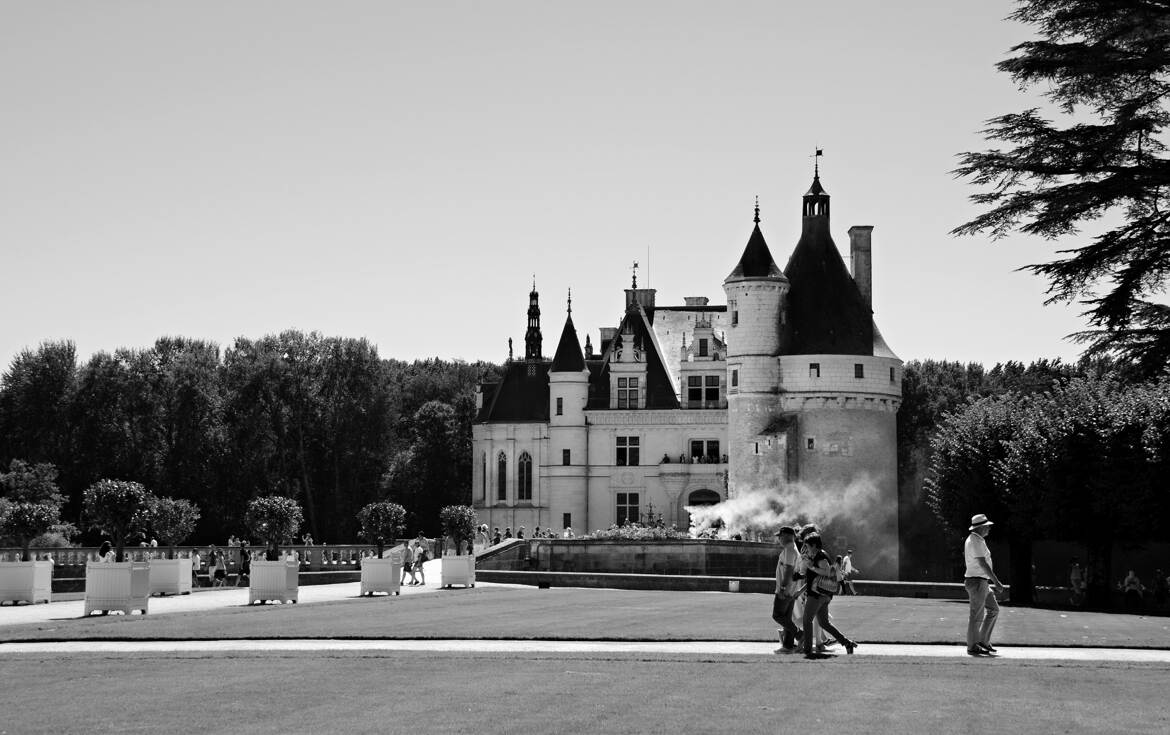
381, 521
459, 523
26, 521
115, 507
172, 520
274, 519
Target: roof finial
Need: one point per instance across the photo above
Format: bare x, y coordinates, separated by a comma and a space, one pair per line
757, 219
816, 162
635, 279
570, 309
533, 281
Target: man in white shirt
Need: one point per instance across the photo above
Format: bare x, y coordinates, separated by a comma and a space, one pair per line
786, 590
979, 577
848, 572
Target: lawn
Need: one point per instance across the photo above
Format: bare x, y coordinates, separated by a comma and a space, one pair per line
481, 694
598, 614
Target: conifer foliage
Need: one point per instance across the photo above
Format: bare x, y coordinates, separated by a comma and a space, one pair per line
1105, 66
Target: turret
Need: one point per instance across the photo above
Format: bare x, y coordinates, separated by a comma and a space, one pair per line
532, 338
568, 378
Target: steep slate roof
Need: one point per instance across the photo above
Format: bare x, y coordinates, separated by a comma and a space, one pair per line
756, 261
826, 312
518, 396
659, 385
569, 358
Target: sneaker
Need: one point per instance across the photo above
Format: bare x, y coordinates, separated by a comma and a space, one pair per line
821, 648
850, 646
987, 648
976, 652
828, 642
785, 650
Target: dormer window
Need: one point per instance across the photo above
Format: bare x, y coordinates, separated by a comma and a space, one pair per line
627, 393
703, 345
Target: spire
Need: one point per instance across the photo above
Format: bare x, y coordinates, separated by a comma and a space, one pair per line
569, 309
568, 358
756, 261
532, 338
816, 199
588, 348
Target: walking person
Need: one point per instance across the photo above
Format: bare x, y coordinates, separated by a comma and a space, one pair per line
196, 562
213, 569
245, 564
408, 564
786, 591
820, 586
979, 578
848, 572
421, 555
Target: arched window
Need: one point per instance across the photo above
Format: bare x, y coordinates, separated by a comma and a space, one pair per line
524, 477
501, 477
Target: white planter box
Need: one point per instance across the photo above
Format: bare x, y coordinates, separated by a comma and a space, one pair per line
170, 576
26, 581
273, 580
111, 586
382, 575
458, 570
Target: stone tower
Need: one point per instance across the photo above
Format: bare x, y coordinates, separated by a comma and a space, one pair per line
756, 290
568, 395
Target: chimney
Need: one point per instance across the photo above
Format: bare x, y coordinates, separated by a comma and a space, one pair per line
860, 251
696, 300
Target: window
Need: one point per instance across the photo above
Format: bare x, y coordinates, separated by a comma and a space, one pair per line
712, 393
814, 370
627, 508
810, 443
627, 392
524, 477
705, 450
565, 457
735, 318
694, 391
859, 370
891, 375
567, 520
702, 348
560, 406
734, 378
627, 451
501, 477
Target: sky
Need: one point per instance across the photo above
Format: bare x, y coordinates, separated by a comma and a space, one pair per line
400, 171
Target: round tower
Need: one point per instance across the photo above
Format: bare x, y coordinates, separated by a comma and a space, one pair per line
756, 291
568, 392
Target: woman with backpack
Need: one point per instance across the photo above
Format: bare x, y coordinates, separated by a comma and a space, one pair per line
822, 582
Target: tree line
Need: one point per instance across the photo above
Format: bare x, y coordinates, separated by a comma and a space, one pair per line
1051, 450
323, 420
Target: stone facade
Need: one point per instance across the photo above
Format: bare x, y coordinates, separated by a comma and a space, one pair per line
788, 383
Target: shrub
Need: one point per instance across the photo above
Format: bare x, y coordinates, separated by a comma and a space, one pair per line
115, 507
25, 521
459, 522
381, 521
274, 519
172, 520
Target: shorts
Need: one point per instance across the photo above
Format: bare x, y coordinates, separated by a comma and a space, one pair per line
407, 567
221, 574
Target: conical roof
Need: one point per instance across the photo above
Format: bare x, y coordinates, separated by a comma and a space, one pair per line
756, 261
826, 312
569, 358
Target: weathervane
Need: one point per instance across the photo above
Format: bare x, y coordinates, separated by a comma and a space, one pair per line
635, 270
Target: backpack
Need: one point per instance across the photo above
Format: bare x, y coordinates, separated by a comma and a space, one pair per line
829, 584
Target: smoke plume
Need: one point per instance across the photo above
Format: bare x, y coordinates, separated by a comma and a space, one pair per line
761, 511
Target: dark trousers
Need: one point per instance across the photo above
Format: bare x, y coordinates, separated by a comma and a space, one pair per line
817, 608
782, 614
